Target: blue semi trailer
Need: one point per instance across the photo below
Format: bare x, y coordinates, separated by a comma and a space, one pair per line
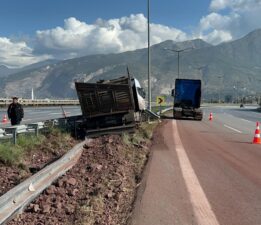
187, 99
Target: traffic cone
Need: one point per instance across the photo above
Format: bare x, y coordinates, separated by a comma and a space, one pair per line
4, 120
257, 139
210, 116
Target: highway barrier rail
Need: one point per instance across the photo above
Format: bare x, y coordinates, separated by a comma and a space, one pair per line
13, 131
40, 102
15, 200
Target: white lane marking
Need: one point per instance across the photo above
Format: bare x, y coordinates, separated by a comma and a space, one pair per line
32, 113
231, 128
246, 120
59, 113
201, 207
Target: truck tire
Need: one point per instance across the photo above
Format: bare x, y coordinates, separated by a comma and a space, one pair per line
198, 117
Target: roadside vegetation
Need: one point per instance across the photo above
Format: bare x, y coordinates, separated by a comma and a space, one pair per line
31, 154
15, 155
156, 109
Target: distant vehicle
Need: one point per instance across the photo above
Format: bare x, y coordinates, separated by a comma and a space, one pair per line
187, 98
111, 103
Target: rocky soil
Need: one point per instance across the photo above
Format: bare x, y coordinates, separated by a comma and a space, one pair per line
99, 190
52, 148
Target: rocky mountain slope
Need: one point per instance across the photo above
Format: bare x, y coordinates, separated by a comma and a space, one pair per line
228, 69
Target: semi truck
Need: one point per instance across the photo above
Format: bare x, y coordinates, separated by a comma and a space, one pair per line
187, 99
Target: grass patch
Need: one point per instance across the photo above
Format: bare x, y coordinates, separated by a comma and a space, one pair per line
53, 141
126, 138
10, 154
137, 152
28, 142
13, 154
143, 134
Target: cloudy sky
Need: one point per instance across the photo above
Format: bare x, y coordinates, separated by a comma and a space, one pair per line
32, 31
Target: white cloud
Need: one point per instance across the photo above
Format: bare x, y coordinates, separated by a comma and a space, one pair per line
215, 21
217, 5
227, 20
217, 36
230, 19
17, 54
104, 36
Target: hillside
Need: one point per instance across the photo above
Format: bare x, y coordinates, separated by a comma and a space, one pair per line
225, 68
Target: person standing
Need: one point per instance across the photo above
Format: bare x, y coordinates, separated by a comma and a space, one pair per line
15, 112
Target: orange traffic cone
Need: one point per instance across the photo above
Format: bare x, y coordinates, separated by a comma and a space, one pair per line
5, 119
257, 139
210, 116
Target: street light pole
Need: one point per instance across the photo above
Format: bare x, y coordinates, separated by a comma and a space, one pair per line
149, 60
219, 89
179, 51
178, 63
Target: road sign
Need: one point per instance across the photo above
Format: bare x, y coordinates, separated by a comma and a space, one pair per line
161, 100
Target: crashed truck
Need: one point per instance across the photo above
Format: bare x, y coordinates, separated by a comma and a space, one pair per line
187, 99
110, 105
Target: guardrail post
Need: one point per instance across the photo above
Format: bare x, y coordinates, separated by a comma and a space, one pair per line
36, 130
14, 136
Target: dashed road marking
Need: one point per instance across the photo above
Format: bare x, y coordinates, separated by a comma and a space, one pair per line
246, 120
231, 128
201, 206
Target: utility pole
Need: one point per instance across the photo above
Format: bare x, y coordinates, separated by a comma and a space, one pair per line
220, 77
179, 51
149, 60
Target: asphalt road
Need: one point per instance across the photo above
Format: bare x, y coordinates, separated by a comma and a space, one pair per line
204, 172
37, 114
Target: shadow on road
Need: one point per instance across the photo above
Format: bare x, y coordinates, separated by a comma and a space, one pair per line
166, 117
240, 142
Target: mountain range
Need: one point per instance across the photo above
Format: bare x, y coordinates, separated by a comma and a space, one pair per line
226, 70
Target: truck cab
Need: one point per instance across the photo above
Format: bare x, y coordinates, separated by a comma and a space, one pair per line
187, 99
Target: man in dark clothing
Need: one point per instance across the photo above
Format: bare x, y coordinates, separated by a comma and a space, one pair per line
15, 112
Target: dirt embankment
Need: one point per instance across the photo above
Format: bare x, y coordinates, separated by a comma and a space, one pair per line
51, 147
99, 190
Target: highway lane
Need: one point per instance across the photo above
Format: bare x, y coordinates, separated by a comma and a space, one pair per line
236, 119
35, 114
204, 172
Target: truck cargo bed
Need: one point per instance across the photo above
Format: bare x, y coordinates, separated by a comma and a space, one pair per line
108, 98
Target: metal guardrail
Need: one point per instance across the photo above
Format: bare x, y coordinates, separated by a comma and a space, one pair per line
15, 200
13, 131
40, 102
